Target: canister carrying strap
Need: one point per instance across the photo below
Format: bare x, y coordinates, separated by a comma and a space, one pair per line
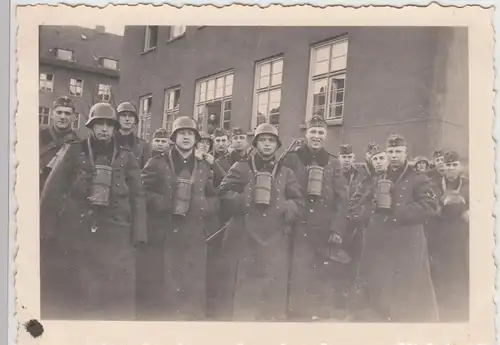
400, 176
444, 185
171, 162
91, 153
254, 170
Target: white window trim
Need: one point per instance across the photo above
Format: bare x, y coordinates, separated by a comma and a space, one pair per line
221, 99
69, 88
166, 112
99, 94
255, 105
172, 37
67, 50
310, 93
143, 116
53, 80
48, 117
109, 59
147, 37
77, 122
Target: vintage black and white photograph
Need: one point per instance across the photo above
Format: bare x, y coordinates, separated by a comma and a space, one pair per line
262, 174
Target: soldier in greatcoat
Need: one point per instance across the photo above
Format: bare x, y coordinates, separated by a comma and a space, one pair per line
318, 271
349, 171
127, 115
150, 270
436, 165
264, 200
394, 272
220, 140
93, 208
180, 191
448, 237
59, 132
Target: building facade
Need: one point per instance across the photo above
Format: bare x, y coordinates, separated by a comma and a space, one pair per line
368, 82
80, 62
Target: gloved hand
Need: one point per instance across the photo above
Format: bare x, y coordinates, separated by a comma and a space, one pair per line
290, 211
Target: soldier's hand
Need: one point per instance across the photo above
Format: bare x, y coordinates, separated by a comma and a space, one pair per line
209, 158
335, 238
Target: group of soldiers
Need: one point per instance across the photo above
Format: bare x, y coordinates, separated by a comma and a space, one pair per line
196, 226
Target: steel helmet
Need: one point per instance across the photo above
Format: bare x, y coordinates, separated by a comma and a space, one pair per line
127, 107
266, 128
184, 122
102, 110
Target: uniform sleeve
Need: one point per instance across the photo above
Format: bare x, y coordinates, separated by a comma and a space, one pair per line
157, 198
231, 189
425, 203
56, 189
137, 199
338, 219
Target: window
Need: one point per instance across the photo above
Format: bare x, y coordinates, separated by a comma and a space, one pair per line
177, 31
145, 104
213, 102
109, 63
267, 95
75, 125
43, 116
46, 82
150, 37
64, 54
171, 107
76, 87
104, 93
327, 80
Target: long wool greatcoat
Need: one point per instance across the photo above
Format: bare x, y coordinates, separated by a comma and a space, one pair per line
394, 272
317, 282
448, 240
102, 274
185, 250
256, 248
139, 147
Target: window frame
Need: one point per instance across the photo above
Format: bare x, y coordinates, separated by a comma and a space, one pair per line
42, 125
69, 90
223, 100
267, 89
52, 82
99, 92
147, 37
143, 117
109, 59
71, 59
77, 120
172, 37
333, 121
173, 112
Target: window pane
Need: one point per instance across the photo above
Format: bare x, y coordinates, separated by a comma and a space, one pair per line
335, 111
323, 53
275, 96
278, 66
177, 96
274, 119
319, 89
210, 89
276, 79
339, 49
109, 63
227, 105
321, 67
229, 85
219, 87
319, 111
339, 97
265, 69
338, 63
262, 110
263, 82
64, 54
262, 97
337, 83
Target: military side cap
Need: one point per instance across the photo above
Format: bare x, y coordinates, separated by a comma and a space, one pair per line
64, 101
317, 121
396, 140
238, 131
219, 132
160, 133
437, 153
451, 156
345, 149
373, 149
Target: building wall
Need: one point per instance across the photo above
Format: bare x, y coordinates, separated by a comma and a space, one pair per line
391, 77
62, 78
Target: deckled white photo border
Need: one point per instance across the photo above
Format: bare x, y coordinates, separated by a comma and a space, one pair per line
480, 329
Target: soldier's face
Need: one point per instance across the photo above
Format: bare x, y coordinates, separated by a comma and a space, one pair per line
267, 144
452, 169
379, 162
160, 144
221, 143
103, 129
315, 137
127, 120
203, 146
185, 139
439, 164
62, 117
421, 166
347, 160
397, 155
239, 142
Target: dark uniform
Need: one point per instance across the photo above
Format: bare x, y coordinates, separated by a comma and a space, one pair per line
166, 179
448, 241
140, 148
51, 140
394, 271
256, 246
97, 240
317, 282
